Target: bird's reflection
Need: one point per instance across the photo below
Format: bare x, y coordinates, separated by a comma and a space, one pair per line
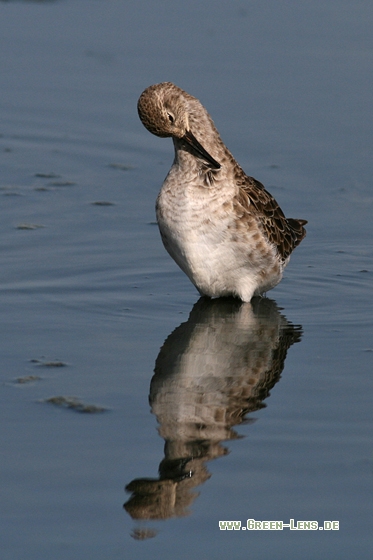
210, 372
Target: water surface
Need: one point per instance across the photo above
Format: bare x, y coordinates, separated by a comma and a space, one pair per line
204, 411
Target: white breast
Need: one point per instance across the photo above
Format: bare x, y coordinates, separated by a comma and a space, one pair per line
199, 230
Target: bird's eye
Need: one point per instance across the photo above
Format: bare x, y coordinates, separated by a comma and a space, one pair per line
170, 117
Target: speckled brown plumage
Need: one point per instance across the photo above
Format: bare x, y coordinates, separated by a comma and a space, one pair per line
222, 227
284, 233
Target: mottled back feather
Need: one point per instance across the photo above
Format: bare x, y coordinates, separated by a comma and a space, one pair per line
284, 233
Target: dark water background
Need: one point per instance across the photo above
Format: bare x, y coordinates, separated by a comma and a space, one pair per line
88, 295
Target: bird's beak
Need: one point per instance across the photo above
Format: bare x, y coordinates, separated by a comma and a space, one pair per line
192, 141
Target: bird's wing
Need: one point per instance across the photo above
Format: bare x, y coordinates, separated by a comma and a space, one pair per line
284, 233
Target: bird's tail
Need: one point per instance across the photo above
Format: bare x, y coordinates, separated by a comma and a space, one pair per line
298, 230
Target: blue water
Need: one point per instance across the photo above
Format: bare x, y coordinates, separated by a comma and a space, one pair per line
212, 411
